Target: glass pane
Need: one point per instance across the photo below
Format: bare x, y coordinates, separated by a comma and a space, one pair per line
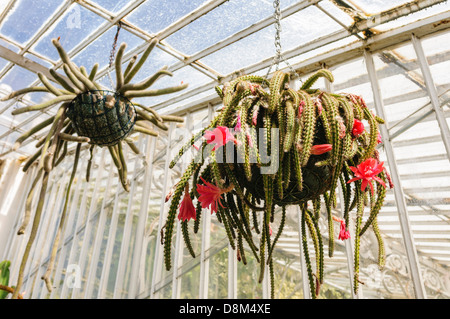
154, 15
99, 50
74, 26
375, 6
297, 29
22, 23
112, 6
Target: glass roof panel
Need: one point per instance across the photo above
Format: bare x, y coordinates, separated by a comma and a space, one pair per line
186, 74
73, 27
154, 15
301, 27
112, 6
17, 78
9, 45
197, 35
3, 63
99, 50
22, 23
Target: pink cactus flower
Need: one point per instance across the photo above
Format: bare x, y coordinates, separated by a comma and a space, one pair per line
187, 209
220, 136
210, 195
358, 128
367, 171
343, 233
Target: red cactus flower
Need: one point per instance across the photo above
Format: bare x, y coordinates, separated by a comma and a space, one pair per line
343, 232
211, 195
187, 209
220, 136
367, 171
358, 128
321, 149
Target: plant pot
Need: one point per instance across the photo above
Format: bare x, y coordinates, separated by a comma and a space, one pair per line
316, 180
105, 117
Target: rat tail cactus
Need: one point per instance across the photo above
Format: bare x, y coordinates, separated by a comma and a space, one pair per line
273, 146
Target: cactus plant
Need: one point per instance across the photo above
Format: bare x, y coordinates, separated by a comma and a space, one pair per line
316, 139
88, 114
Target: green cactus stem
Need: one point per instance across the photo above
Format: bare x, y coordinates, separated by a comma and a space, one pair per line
315, 149
77, 86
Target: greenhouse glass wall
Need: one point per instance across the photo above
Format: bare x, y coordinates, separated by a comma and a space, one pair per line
102, 220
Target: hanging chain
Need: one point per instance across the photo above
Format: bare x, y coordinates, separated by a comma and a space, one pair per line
277, 16
278, 55
113, 53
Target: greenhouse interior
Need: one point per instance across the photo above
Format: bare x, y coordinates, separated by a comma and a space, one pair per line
224, 149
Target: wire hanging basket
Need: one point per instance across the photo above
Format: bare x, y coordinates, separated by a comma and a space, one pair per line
105, 117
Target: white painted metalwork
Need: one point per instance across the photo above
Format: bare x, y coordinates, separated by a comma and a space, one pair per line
87, 231
157, 268
130, 278
142, 221
206, 241
405, 224
432, 92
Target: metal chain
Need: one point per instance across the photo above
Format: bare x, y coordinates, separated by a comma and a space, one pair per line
113, 53
278, 55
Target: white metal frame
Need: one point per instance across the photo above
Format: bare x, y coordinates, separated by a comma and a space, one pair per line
412, 32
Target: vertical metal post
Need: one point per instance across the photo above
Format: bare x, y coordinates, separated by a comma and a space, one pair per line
232, 273
88, 228
206, 242
142, 221
74, 241
432, 92
103, 285
405, 225
120, 275
98, 240
158, 261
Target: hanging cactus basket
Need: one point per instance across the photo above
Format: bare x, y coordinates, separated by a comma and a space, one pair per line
86, 114
105, 117
316, 139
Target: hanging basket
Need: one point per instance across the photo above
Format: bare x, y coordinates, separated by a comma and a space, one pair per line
316, 180
105, 117
319, 141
